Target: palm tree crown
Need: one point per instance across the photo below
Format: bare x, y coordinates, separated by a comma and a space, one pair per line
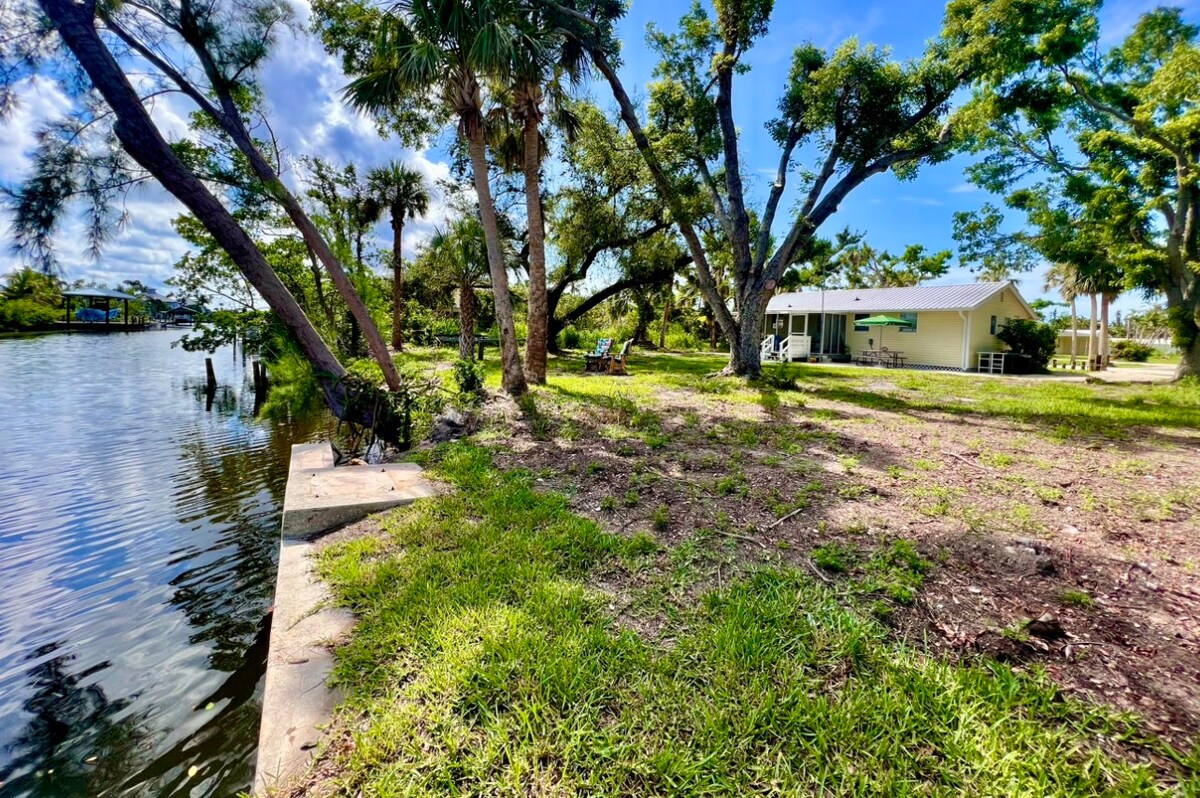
399, 190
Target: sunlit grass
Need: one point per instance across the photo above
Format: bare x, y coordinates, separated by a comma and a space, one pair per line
1059, 409
485, 663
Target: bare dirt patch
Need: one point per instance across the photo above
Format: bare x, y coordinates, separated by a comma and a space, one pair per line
1099, 539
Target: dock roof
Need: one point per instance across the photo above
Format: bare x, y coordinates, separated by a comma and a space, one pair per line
98, 293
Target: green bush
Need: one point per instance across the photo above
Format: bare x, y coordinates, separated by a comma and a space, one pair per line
25, 314
1132, 350
1033, 339
569, 338
468, 376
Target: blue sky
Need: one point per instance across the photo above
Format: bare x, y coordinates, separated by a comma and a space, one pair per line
302, 84
891, 213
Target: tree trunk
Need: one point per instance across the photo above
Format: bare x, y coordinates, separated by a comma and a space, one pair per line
1104, 299
466, 320
314, 240
662, 333
535, 342
144, 143
1074, 331
315, 267
231, 122
512, 376
1092, 334
744, 358
1184, 310
397, 283
1189, 364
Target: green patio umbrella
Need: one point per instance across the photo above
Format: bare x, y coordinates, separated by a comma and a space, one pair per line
883, 321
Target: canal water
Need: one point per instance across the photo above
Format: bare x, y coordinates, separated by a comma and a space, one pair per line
138, 534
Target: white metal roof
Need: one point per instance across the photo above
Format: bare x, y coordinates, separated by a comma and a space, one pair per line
882, 300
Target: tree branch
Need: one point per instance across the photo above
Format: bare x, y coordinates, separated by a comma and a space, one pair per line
739, 218
1141, 128
162, 65
772, 206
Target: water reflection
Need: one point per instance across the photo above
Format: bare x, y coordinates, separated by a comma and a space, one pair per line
137, 553
76, 741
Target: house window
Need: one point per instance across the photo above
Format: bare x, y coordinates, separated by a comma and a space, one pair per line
993, 327
911, 318
861, 327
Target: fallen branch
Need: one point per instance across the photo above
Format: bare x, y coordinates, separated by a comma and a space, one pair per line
965, 460
781, 519
817, 571
736, 536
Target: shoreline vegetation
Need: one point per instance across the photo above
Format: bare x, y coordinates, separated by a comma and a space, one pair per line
841, 580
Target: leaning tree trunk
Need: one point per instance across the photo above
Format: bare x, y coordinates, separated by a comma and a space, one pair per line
512, 377
536, 336
144, 143
315, 267
230, 120
466, 320
1092, 334
397, 282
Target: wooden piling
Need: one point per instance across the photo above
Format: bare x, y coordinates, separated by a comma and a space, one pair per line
210, 384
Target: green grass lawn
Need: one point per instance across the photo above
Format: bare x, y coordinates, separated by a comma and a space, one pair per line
1060, 409
488, 662
510, 645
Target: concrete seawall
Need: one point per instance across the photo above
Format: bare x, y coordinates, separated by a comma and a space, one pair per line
298, 701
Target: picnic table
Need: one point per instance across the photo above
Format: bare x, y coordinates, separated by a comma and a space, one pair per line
890, 358
480, 342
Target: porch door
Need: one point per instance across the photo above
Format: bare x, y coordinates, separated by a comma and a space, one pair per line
776, 325
816, 332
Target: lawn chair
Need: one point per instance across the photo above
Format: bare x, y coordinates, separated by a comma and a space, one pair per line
595, 360
616, 363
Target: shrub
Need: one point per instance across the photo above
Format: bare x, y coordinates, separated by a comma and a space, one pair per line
777, 378
1033, 339
569, 338
1132, 350
25, 314
468, 376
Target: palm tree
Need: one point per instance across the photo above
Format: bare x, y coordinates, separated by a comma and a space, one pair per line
33, 285
458, 254
542, 57
402, 191
1064, 278
450, 45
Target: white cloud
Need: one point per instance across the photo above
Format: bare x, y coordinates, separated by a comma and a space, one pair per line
39, 100
302, 84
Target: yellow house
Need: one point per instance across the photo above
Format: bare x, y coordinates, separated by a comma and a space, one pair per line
950, 326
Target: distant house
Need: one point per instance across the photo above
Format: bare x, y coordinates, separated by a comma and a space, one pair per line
1081, 341
949, 325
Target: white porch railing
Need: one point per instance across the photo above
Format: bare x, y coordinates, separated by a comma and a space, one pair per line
793, 347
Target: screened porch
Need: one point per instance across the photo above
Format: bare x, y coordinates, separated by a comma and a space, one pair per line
802, 336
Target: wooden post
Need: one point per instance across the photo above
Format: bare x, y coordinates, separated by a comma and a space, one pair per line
211, 382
